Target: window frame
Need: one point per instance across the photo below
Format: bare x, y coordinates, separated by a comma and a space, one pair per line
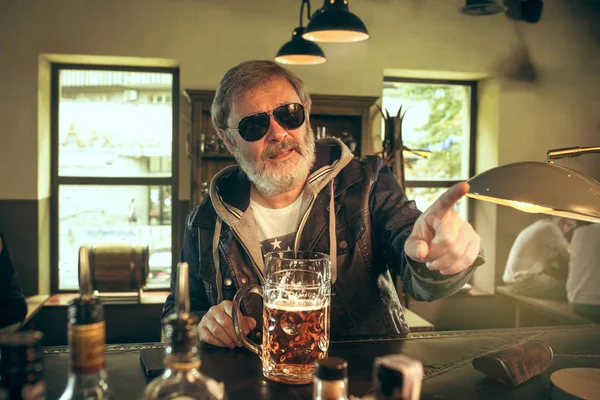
472, 84
56, 181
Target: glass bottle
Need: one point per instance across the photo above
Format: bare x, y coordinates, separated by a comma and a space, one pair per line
181, 378
204, 190
21, 367
349, 141
87, 371
87, 338
330, 379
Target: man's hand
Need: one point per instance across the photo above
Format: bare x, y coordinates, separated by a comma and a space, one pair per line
441, 238
216, 327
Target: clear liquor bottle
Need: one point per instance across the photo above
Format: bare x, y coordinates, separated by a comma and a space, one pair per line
182, 379
87, 339
21, 367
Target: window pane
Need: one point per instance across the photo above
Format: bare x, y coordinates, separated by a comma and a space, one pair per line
115, 123
437, 120
114, 214
425, 197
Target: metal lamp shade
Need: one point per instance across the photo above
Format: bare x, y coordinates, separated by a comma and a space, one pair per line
299, 51
334, 23
539, 187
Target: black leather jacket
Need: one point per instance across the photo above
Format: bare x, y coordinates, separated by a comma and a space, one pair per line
373, 218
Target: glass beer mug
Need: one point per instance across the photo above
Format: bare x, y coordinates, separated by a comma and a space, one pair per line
296, 307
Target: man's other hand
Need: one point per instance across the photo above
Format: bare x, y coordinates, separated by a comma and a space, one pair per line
441, 238
216, 327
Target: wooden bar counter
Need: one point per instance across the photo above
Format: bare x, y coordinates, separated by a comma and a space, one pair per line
446, 357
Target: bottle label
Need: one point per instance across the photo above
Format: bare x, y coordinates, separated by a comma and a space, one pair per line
87, 347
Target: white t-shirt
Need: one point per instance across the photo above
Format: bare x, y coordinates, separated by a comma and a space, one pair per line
535, 248
276, 226
583, 283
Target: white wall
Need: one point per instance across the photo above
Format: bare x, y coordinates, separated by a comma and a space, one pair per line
205, 37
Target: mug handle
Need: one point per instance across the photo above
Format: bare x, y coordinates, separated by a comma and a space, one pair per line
237, 316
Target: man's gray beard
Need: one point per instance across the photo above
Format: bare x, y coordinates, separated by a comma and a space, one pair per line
271, 183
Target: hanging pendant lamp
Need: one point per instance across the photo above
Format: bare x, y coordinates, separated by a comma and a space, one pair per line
334, 23
300, 51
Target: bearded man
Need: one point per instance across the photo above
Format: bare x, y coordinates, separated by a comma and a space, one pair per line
289, 192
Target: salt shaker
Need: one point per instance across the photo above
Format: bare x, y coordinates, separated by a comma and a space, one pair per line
330, 379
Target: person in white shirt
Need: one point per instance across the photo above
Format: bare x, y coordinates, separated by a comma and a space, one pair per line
537, 264
583, 283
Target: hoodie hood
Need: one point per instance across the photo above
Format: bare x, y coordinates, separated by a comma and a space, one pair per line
230, 196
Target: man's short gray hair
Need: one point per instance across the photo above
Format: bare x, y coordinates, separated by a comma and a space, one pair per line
247, 76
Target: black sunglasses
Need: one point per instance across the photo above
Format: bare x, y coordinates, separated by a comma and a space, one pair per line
255, 126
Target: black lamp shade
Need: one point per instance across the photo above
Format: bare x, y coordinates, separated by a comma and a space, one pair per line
299, 51
334, 23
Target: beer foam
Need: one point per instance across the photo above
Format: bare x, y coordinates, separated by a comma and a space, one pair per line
295, 305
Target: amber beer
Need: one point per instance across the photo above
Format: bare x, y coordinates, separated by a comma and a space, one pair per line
296, 307
295, 336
